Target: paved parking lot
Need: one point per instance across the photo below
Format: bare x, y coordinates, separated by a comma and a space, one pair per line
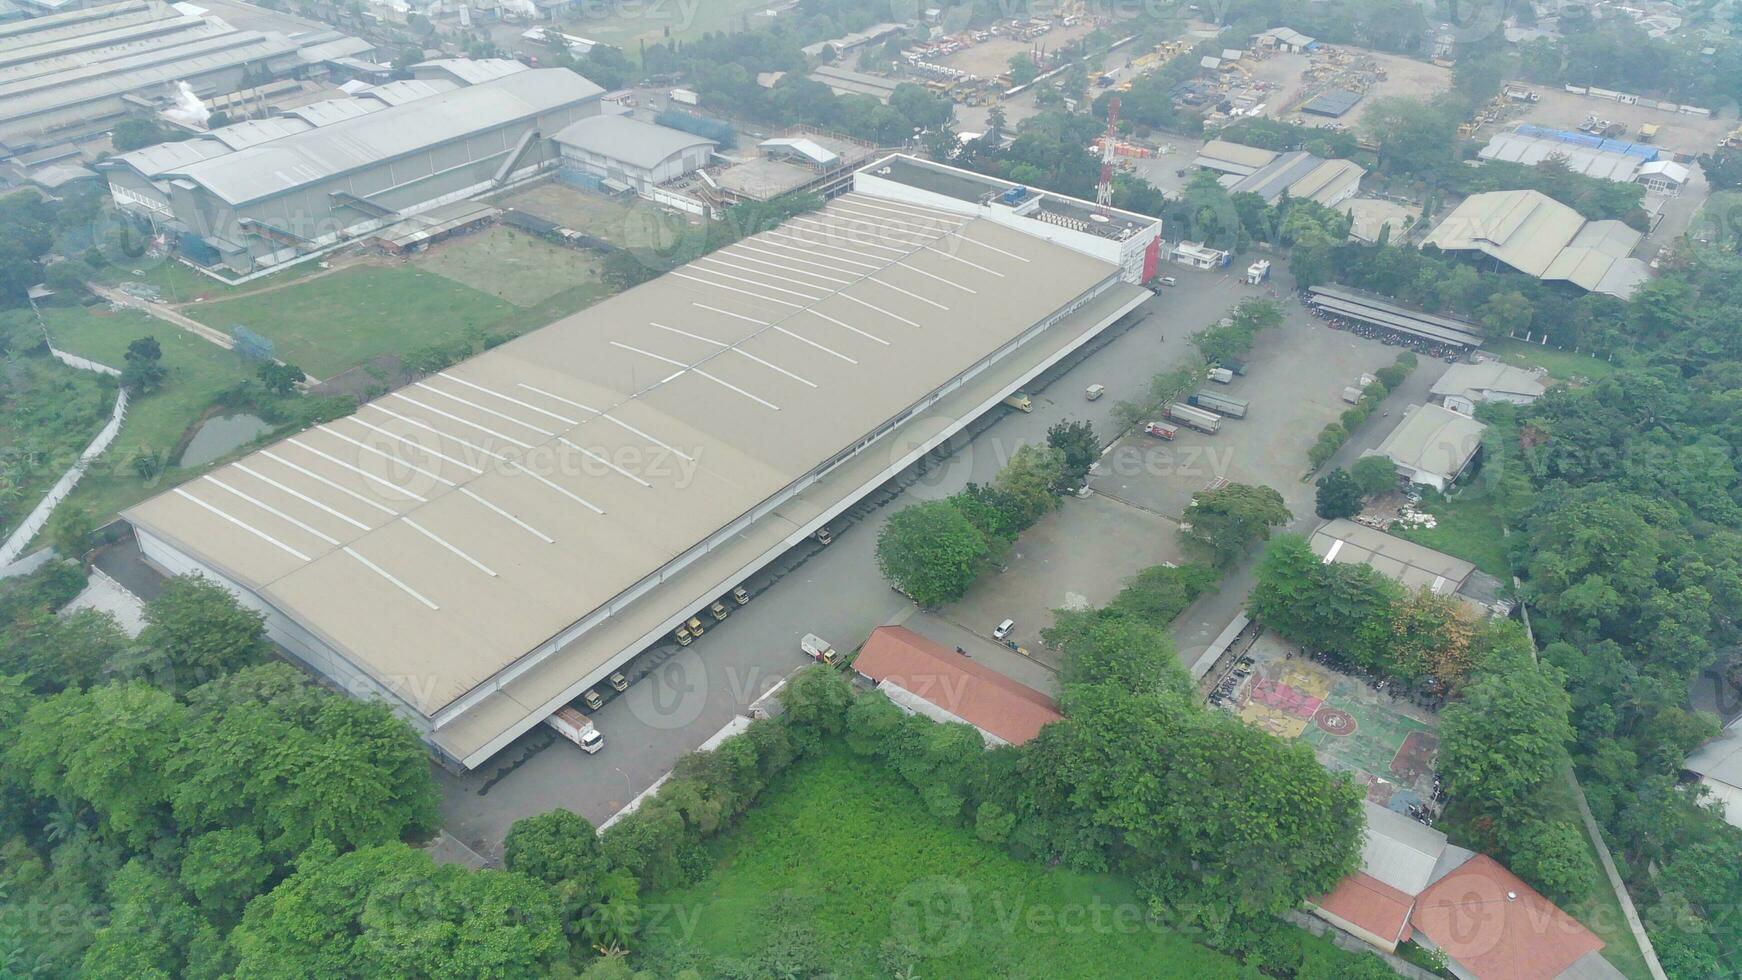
1077, 557
1294, 382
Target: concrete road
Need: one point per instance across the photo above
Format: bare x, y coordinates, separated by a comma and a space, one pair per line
837, 593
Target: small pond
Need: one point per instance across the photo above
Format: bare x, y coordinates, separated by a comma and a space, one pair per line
220, 434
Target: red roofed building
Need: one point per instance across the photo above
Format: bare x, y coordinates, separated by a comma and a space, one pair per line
1369, 908
1493, 926
922, 677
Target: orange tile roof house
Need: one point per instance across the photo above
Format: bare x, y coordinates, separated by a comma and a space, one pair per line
923, 677
1491, 925
1414, 884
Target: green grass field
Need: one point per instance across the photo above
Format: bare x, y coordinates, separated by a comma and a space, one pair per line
344, 319
1561, 365
197, 372
495, 282
1469, 526
48, 415
839, 869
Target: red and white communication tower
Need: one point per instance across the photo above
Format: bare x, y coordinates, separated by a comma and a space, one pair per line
1104, 192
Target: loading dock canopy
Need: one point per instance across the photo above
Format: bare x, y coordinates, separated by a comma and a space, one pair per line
446, 530
1379, 313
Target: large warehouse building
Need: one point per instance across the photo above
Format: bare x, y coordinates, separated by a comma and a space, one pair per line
480, 547
70, 75
270, 190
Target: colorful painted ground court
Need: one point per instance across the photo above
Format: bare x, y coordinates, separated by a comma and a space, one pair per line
1385, 743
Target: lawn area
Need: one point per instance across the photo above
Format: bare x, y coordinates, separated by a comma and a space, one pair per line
176, 282
1561, 365
48, 415
514, 266
1469, 526
197, 372
839, 866
344, 319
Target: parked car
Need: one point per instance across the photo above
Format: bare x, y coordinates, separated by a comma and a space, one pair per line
1003, 629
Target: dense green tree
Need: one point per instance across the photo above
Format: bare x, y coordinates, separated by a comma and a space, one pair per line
1504, 739
201, 630
1029, 483
1080, 448
223, 869
1224, 523
1338, 495
389, 910
1374, 475
931, 552
1551, 855
150, 931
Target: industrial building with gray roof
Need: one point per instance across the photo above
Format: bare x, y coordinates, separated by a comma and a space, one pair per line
71, 75
286, 186
1541, 237
481, 546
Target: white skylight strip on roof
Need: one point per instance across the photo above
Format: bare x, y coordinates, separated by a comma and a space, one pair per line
948, 282
386, 455
487, 411
745, 246
734, 349
879, 309
426, 532
906, 211
692, 369
577, 498
754, 282
907, 224
788, 268
782, 330
813, 311
770, 275
816, 245
905, 292
970, 241
356, 469
958, 258
607, 416
377, 569
839, 233
735, 289
422, 425
584, 451
274, 511
269, 454
269, 481
904, 206
511, 400
528, 528
448, 415
413, 444
262, 535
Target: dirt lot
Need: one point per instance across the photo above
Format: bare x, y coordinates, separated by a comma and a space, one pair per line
1560, 109
595, 214
1077, 557
1404, 76
991, 58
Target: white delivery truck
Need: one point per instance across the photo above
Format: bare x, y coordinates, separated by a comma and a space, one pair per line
577, 728
819, 649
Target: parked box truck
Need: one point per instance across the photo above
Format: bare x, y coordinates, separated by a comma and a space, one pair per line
1220, 404
1222, 375
577, 728
1161, 430
1197, 418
